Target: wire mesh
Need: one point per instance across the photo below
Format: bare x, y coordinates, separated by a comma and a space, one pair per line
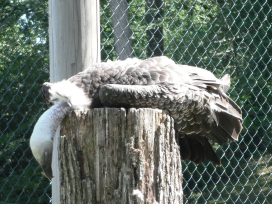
223, 36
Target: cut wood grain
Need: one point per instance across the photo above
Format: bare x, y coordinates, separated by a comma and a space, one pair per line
112, 155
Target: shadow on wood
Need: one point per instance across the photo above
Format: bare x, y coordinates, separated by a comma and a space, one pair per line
108, 155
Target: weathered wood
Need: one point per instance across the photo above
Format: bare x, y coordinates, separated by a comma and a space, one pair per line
109, 155
74, 37
74, 44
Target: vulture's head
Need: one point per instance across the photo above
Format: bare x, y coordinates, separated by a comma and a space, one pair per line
41, 140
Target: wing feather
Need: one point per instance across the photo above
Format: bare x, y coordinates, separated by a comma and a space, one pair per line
194, 97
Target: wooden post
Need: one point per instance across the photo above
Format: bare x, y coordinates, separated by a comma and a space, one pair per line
74, 44
74, 37
112, 156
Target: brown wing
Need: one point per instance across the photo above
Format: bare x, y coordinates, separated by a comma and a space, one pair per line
194, 97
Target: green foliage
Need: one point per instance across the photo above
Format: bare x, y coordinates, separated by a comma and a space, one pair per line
223, 36
23, 68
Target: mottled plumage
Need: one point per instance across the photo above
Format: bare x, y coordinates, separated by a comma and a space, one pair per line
194, 97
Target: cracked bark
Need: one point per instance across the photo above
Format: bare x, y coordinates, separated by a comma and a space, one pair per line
112, 155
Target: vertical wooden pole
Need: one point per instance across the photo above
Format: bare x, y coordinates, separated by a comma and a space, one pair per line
74, 44
74, 36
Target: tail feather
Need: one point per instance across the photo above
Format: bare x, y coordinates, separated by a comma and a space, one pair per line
227, 115
229, 120
219, 135
227, 105
210, 153
197, 149
200, 152
195, 152
226, 83
230, 124
185, 150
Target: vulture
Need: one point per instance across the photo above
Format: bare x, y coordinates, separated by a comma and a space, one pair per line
194, 98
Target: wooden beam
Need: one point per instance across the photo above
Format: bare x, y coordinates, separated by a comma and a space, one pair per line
74, 37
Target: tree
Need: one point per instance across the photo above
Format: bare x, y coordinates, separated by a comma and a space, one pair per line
154, 33
224, 37
23, 68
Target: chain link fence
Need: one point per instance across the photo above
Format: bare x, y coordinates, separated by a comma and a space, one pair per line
223, 36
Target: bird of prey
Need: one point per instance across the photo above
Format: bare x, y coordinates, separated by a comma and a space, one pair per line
194, 97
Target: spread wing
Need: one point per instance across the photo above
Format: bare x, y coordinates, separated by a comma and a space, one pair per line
194, 97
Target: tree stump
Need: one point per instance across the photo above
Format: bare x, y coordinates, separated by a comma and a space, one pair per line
114, 155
